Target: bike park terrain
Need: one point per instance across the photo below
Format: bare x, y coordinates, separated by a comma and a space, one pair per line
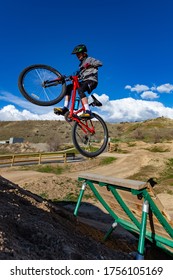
130, 161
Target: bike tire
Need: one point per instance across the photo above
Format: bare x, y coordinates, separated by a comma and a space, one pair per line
79, 137
30, 84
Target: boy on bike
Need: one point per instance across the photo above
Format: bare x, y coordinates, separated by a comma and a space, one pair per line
88, 70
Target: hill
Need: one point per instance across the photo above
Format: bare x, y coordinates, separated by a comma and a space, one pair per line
154, 130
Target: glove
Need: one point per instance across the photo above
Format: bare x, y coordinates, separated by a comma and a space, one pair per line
87, 65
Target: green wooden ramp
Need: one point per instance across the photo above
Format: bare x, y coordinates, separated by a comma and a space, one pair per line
135, 206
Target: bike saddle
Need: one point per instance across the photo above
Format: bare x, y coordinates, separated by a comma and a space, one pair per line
95, 102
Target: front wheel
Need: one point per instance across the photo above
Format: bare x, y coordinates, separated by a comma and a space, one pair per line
90, 137
42, 85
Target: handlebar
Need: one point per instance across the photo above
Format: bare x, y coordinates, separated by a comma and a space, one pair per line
77, 74
68, 78
59, 80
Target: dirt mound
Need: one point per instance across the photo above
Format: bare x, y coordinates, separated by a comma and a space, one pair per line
22, 148
31, 228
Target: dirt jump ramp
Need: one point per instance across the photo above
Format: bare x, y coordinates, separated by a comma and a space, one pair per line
135, 206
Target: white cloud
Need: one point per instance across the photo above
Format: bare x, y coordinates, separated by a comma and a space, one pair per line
126, 109
149, 95
10, 113
128, 87
138, 88
121, 110
23, 103
129, 109
102, 98
167, 88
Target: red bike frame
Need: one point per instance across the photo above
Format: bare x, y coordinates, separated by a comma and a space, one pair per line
74, 117
75, 87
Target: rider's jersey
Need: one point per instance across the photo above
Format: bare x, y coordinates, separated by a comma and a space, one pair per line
90, 73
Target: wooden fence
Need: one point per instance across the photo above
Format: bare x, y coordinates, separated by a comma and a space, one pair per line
36, 158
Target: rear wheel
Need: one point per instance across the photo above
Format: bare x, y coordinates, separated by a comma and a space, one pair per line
42, 85
90, 143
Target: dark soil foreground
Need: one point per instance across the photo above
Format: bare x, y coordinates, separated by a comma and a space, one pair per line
32, 228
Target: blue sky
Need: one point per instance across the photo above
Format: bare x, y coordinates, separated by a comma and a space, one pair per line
133, 39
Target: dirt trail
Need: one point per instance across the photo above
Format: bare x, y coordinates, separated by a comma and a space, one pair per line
126, 165
21, 177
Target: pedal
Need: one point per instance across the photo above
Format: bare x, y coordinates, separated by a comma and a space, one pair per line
56, 112
86, 118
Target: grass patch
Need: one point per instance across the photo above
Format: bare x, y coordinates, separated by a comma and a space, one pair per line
145, 173
50, 169
170, 192
131, 144
44, 195
115, 140
164, 180
71, 197
168, 172
120, 151
107, 160
157, 149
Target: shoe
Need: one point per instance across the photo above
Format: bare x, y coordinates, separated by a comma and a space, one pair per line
86, 115
60, 111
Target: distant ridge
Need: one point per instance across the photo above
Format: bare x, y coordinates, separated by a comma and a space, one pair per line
159, 129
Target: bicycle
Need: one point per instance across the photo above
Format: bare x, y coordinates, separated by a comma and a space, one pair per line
43, 85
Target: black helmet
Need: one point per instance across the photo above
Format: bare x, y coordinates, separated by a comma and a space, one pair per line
79, 48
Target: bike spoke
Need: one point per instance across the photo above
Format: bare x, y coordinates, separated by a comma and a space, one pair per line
90, 137
32, 85
42, 81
